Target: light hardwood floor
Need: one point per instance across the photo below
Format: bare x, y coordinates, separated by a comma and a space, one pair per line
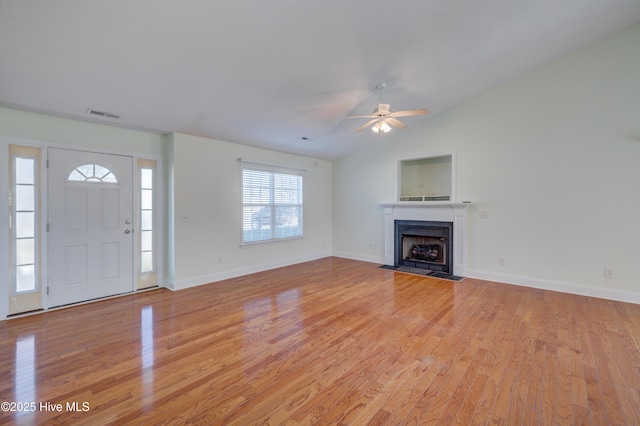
332, 341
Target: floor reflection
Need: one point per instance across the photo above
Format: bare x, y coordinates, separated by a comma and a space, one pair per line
25, 371
147, 355
146, 336
272, 319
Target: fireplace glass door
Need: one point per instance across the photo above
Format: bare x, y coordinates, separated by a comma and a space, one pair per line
424, 244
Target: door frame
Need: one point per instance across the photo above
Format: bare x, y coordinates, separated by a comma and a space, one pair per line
158, 202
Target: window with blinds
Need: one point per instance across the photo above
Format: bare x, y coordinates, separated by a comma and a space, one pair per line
271, 203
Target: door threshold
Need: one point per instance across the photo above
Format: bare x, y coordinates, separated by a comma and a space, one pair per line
84, 302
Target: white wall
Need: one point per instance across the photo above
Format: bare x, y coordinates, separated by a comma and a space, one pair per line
57, 130
206, 186
553, 157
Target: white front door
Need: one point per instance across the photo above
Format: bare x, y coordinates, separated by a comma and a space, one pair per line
90, 240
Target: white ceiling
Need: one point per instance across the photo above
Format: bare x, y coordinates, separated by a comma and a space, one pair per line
267, 73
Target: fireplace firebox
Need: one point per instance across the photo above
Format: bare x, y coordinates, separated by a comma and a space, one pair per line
424, 244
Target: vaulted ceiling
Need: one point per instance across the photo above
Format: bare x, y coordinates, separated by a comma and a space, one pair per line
270, 73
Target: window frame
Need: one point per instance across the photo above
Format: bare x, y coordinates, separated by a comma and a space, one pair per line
272, 204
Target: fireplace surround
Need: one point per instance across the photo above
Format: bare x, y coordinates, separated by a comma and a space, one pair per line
454, 213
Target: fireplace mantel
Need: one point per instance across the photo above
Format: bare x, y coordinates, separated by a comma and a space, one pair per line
427, 204
429, 211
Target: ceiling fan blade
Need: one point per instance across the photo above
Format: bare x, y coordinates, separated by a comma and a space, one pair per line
395, 122
361, 116
369, 123
410, 112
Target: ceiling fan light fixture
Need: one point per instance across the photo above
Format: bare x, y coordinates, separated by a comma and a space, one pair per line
381, 126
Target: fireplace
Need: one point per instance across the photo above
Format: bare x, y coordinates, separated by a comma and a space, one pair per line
436, 214
424, 244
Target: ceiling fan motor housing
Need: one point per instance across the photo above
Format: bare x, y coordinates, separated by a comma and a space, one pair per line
382, 110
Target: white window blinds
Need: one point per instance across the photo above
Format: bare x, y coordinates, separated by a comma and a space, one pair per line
271, 203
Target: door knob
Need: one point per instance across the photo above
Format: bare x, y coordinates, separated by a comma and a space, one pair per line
127, 231
127, 222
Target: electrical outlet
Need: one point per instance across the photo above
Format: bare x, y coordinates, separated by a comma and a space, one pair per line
502, 261
186, 217
219, 260
608, 273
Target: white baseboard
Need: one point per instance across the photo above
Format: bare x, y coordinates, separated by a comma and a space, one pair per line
543, 284
563, 287
238, 272
358, 256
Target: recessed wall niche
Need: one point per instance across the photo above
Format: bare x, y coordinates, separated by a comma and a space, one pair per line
426, 178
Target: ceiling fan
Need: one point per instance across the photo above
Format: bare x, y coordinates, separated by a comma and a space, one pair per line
382, 119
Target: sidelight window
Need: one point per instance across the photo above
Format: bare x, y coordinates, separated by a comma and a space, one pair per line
24, 229
146, 220
149, 216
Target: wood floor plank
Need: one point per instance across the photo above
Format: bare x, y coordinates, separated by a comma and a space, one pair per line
507, 386
332, 341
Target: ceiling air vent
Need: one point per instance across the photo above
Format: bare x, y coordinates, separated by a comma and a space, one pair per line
103, 114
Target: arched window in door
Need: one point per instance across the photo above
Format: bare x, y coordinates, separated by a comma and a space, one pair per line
92, 173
